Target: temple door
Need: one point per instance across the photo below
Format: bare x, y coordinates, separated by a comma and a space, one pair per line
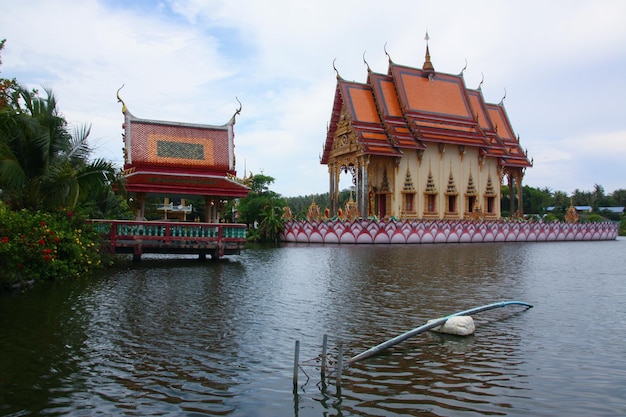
382, 205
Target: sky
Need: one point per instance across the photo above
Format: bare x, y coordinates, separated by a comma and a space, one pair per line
560, 66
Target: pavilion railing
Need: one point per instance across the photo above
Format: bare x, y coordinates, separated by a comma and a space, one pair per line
164, 234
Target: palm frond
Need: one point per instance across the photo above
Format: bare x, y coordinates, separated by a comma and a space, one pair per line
78, 151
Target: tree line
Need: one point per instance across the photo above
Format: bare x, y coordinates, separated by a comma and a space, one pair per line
536, 201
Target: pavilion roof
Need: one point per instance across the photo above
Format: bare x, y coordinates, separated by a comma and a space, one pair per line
163, 157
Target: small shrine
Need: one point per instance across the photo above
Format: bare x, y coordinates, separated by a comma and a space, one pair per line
176, 161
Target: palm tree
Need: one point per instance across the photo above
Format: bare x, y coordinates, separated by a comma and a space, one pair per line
42, 165
271, 224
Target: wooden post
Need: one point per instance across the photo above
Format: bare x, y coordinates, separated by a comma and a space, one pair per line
339, 368
324, 347
296, 359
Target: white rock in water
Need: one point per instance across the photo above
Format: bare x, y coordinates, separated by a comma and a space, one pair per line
458, 325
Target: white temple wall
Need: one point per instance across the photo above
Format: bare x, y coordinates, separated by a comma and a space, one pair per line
461, 162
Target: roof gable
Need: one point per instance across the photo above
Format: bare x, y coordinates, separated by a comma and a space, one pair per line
171, 144
174, 158
515, 155
385, 91
360, 102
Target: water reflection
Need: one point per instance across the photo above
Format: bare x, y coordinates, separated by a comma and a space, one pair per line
172, 337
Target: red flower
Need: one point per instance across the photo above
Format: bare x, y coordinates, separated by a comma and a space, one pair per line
42, 242
5, 239
19, 265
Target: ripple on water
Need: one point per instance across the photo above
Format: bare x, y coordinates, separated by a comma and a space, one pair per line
217, 338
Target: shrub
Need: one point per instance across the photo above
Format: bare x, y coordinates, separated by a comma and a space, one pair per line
593, 218
38, 246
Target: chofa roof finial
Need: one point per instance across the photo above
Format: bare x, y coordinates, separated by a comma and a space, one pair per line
335, 68
119, 99
386, 53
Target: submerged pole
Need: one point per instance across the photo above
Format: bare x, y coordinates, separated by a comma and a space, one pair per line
296, 359
324, 349
438, 322
339, 368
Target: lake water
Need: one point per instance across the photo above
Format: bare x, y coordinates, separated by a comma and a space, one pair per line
184, 337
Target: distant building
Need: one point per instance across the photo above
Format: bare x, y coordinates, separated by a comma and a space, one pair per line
589, 209
419, 144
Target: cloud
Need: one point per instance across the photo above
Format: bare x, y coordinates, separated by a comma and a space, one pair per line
560, 62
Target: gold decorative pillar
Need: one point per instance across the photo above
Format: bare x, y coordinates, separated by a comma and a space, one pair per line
333, 185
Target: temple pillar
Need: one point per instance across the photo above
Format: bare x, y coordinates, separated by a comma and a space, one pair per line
209, 209
364, 209
333, 174
141, 206
511, 194
520, 203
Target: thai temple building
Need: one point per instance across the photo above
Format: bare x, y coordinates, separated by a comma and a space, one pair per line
420, 144
174, 161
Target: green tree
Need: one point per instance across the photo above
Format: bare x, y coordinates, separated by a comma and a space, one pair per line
271, 221
619, 197
535, 200
598, 198
300, 205
261, 209
560, 201
42, 164
581, 198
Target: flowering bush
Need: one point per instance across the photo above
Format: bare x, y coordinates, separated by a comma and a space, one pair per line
44, 246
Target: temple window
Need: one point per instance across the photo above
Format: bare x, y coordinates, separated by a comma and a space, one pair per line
451, 196
408, 196
490, 197
490, 204
430, 196
471, 201
470, 196
431, 203
409, 202
451, 204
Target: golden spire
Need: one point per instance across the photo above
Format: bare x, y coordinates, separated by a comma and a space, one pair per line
451, 190
471, 188
490, 190
428, 66
408, 182
430, 183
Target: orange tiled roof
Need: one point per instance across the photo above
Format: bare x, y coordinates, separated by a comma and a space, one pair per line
515, 155
399, 132
172, 144
410, 107
179, 158
365, 119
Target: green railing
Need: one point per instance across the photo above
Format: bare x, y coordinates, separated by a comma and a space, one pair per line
126, 233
